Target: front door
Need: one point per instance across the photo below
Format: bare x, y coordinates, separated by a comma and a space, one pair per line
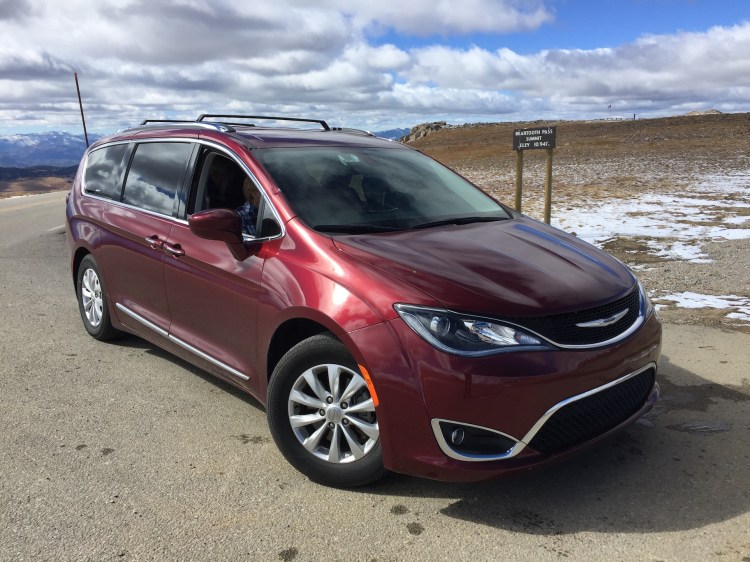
213, 299
212, 296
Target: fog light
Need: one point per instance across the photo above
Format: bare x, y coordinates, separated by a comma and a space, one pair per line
466, 439
457, 436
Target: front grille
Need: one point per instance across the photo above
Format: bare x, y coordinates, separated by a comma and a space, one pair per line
594, 415
562, 328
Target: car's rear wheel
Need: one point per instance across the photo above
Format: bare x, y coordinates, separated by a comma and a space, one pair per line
322, 416
92, 301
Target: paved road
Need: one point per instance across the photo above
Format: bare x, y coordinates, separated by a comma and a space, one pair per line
121, 452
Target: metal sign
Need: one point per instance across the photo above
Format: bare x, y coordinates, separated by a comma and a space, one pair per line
527, 139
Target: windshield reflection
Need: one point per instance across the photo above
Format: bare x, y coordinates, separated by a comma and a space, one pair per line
357, 190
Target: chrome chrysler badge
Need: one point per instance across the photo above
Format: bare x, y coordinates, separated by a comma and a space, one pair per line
603, 321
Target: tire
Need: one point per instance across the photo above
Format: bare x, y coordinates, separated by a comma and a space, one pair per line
92, 301
329, 434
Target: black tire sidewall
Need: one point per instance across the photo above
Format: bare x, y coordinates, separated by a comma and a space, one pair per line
317, 350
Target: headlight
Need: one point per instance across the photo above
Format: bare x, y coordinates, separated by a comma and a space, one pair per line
464, 334
647, 306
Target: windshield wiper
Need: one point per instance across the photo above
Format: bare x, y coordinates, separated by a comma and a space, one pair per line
354, 228
456, 220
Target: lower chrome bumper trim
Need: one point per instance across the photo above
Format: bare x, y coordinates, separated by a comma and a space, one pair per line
523, 442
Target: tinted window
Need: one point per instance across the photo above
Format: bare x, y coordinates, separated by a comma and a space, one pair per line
218, 183
104, 171
156, 174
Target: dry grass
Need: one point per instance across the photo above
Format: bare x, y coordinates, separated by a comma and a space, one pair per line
33, 186
598, 159
711, 135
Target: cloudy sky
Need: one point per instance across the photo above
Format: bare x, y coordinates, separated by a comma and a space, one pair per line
373, 64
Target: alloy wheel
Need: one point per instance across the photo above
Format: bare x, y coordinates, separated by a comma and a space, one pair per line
332, 414
91, 297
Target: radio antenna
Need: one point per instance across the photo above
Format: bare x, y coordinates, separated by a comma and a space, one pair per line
80, 104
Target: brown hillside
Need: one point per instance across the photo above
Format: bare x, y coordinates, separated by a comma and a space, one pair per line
597, 158
33, 186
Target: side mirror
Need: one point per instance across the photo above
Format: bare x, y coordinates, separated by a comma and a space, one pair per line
223, 225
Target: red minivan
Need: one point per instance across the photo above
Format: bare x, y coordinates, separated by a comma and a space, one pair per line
388, 313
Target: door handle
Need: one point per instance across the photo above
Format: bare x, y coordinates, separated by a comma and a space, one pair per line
175, 251
154, 242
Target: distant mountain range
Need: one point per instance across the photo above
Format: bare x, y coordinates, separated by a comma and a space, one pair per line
42, 149
35, 172
393, 134
65, 149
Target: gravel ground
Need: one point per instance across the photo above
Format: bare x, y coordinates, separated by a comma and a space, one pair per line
728, 274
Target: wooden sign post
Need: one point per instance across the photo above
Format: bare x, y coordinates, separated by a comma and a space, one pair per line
529, 139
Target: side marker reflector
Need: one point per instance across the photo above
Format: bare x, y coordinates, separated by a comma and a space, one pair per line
370, 386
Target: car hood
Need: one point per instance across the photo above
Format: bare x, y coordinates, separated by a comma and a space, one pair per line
516, 267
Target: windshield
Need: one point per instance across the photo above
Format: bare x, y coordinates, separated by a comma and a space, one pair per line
356, 190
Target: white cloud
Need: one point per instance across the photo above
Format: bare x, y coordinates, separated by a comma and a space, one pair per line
681, 62
140, 58
440, 17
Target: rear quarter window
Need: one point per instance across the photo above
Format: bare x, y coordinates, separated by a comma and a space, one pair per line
104, 168
156, 175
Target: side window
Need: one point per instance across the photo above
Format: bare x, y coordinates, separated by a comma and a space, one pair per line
248, 211
156, 175
104, 171
221, 183
218, 183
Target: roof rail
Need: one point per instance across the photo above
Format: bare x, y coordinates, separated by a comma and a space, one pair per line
187, 123
213, 116
147, 121
353, 131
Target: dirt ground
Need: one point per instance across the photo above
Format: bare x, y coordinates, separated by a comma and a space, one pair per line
620, 161
32, 186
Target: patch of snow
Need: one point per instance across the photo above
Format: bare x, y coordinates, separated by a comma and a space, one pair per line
740, 306
674, 226
732, 182
686, 251
743, 316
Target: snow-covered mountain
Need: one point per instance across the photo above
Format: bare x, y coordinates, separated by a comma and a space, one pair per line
42, 149
393, 134
65, 149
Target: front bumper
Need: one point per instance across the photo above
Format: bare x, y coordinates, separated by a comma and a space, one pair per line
514, 394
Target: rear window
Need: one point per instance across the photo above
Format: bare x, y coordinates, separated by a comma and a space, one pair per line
156, 175
104, 168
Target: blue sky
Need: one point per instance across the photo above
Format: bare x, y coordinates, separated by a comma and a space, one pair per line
608, 23
374, 65
581, 24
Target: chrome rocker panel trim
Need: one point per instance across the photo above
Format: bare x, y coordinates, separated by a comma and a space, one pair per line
182, 344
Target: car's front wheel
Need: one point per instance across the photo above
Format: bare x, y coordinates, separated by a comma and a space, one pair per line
322, 416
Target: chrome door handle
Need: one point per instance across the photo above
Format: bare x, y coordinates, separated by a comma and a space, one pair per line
154, 241
175, 251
